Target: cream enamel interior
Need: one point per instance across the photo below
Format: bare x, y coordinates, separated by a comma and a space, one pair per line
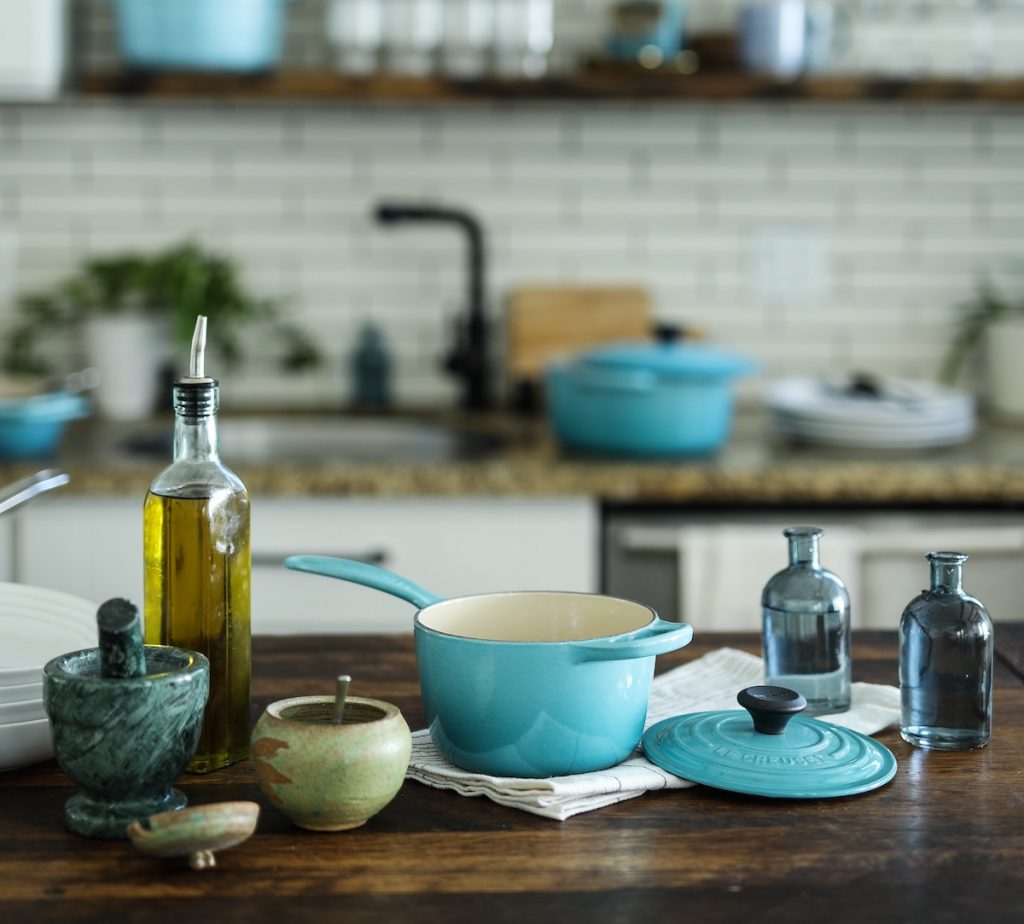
535, 616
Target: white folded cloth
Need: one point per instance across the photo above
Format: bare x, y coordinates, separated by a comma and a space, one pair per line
709, 683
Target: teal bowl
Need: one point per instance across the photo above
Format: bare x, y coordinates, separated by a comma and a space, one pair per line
539, 684
223, 35
32, 427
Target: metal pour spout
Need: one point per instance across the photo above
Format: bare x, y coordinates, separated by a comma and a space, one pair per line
197, 354
196, 395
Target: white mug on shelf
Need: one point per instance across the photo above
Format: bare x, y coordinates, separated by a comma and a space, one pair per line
524, 32
783, 38
412, 36
355, 32
468, 34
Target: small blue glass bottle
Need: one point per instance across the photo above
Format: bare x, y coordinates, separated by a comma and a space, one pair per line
946, 655
806, 627
371, 370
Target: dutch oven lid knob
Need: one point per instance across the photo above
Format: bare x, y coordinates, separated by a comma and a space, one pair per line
771, 708
666, 332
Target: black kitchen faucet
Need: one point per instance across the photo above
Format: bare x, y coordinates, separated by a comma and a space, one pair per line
469, 359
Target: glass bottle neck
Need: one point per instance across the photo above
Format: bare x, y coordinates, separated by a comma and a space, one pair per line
195, 438
803, 550
947, 576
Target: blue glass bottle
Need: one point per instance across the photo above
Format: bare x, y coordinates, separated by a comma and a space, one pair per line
946, 655
806, 627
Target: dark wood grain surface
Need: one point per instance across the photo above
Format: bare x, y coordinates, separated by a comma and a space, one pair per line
944, 842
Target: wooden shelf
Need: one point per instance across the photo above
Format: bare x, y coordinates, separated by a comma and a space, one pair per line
611, 84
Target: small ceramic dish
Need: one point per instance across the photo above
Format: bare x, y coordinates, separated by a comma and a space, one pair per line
195, 832
327, 776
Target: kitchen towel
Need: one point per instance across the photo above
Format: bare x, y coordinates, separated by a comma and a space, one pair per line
710, 682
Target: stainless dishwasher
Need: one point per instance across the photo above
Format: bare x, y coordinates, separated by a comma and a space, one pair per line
708, 567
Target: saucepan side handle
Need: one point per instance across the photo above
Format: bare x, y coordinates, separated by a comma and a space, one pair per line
359, 572
655, 639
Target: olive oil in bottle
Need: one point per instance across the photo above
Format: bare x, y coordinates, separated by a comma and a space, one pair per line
197, 564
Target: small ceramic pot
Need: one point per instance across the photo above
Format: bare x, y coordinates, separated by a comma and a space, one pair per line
124, 740
328, 777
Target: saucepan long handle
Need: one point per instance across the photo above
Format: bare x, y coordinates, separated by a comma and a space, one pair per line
359, 572
657, 638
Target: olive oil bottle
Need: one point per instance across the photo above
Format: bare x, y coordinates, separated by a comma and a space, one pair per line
197, 563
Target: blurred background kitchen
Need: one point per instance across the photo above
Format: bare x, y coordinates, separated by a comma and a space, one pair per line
812, 236
826, 190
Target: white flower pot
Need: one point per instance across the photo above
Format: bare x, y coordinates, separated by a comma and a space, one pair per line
127, 350
1004, 369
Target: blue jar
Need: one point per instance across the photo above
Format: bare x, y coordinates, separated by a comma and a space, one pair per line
946, 656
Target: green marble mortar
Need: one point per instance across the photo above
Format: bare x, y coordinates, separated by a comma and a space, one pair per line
125, 720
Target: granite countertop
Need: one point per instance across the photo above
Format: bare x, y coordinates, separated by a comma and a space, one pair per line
754, 468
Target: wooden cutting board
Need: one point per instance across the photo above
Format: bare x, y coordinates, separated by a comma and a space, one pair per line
545, 322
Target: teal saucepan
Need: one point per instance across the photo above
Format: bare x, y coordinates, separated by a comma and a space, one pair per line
527, 683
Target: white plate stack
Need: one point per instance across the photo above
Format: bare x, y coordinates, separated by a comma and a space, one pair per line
870, 412
36, 624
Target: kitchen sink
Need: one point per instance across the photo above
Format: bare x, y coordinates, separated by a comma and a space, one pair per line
332, 439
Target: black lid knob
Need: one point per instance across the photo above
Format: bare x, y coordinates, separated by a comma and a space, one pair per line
771, 708
667, 332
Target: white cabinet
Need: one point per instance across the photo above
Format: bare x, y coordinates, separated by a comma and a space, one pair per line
7, 546
88, 546
92, 547
450, 546
710, 569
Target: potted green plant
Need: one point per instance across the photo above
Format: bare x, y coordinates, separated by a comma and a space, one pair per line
130, 309
994, 323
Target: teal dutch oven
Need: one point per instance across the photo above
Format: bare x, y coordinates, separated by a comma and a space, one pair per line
644, 399
531, 683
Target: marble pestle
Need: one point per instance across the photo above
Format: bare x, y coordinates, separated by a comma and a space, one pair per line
120, 639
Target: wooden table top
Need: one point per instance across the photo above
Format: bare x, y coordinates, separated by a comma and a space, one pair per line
943, 842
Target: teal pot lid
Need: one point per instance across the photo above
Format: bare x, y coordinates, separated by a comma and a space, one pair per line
668, 360
769, 750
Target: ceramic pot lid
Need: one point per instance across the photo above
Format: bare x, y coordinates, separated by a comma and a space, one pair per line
668, 361
769, 750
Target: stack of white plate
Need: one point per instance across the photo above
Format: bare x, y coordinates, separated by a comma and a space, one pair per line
871, 413
36, 624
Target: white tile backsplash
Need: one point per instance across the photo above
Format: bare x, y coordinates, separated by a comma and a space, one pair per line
809, 237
